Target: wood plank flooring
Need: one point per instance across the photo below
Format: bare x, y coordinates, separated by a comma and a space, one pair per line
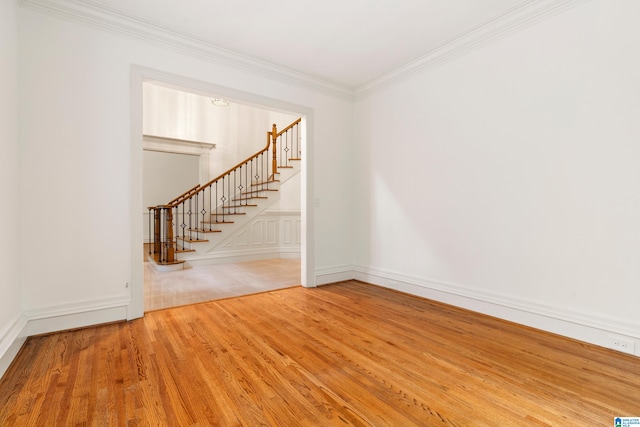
343, 354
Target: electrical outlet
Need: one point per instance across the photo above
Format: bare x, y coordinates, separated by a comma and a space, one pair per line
622, 344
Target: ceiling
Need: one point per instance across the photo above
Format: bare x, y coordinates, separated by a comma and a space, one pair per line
344, 46
346, 42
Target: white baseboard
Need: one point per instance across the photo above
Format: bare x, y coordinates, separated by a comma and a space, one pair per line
579, 326
43, 320
57, 318
11, 341
335, 274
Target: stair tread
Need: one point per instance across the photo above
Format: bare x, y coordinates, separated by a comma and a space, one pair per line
237, 206
251, 197
204, 230
228, 213
217, 222
192, 240
259, 191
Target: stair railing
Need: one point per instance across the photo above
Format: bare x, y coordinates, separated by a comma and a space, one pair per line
202, 209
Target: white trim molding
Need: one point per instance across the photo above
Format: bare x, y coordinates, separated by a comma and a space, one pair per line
57, 318
580, 326
338, 273
80, 314
173, 145
138, 76
182, 146
12, 338
104, 17
520, 17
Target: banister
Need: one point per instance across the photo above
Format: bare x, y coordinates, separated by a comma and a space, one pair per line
183, 195
247, 160
289, 127
205, 207
176, 201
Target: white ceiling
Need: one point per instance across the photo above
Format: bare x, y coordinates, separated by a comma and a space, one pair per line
345, 48
345, 42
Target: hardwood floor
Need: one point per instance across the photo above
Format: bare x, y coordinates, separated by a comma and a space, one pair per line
211, 282
343, 354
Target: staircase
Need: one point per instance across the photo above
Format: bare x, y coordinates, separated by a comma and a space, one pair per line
196, 224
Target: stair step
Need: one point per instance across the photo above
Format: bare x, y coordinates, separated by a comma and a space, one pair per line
203, 230
259, 191
184, 239
210, 223
228, 213
250, 197
295, 158
237, 206
178, 251
265, 182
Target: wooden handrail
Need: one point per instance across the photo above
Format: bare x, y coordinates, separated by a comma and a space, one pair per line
289, 127
247, 160
174, 203
184, 195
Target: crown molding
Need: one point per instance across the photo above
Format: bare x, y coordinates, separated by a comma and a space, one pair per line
117, 21
524, 15
98, 15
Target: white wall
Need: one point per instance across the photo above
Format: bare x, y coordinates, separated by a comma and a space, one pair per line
76, 102
10, 304
507, 180
166, 176
238, 130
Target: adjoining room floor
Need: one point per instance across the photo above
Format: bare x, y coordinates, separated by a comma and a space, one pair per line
211, 282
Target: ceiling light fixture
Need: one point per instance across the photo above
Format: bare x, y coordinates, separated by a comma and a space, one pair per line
219, 102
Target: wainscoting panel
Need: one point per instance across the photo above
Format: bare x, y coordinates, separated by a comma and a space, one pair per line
272, 231
277, 232
256, 235
243, 239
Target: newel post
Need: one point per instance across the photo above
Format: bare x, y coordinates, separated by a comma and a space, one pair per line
170, 249
156, 231
274, 138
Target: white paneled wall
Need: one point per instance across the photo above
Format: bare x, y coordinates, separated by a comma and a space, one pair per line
272, 232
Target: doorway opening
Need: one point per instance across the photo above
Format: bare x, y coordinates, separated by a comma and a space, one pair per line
199, 124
